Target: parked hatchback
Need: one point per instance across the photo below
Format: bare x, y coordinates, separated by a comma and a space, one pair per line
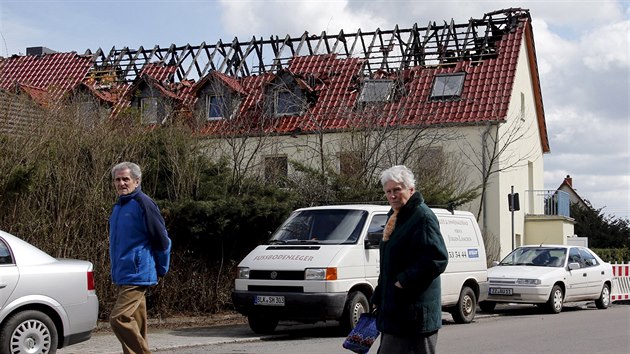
549, 276
45, 303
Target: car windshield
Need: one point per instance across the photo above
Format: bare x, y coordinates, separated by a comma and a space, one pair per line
331, 226
536, 256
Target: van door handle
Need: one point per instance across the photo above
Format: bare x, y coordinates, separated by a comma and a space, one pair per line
584, 274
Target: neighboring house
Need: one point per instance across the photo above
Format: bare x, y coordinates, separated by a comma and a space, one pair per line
459, 94
574, 198
37, 84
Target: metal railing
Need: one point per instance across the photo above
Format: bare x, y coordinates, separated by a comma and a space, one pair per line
547, 202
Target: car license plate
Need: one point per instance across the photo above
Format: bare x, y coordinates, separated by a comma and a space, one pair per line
269, 300
500, 291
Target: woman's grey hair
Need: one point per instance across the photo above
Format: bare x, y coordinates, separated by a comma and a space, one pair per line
399, 174
134, 170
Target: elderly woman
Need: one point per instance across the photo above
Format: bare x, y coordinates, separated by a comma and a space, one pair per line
413, 255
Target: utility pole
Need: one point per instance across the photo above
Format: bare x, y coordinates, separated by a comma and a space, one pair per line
513, 204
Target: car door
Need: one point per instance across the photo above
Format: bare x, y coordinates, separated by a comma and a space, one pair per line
577, 279
594, 274
372, 260
8, 273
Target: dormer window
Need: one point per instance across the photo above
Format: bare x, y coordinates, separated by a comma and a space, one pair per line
287, 102
448, 86
380, 90
149, 110
215, 105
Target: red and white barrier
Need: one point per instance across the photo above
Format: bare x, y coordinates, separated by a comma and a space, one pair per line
620, 282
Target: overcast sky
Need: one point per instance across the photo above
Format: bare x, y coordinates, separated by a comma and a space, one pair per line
582, 48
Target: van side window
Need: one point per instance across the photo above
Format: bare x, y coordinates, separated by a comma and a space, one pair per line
377, 224
5, 255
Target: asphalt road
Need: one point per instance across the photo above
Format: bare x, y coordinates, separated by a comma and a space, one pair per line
580, 328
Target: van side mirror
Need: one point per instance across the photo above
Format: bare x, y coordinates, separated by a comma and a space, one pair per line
373, 239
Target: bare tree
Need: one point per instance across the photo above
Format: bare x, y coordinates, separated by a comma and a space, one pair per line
500, 151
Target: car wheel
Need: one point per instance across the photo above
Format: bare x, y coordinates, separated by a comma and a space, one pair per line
604, 298
356, 304
28, 332
487, 306
554, 304
262, 324
464, 311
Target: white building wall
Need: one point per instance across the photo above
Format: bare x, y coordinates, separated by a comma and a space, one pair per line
521, 165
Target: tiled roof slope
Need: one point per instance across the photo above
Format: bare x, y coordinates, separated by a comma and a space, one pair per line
485, 97
56, 73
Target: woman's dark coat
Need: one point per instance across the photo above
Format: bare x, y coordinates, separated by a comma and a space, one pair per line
415, 255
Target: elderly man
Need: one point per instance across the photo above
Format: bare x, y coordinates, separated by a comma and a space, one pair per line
139, 249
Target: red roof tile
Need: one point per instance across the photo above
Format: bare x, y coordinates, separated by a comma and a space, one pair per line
56, 73
485, 96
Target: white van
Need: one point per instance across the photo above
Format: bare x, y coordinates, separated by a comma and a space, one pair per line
322, 264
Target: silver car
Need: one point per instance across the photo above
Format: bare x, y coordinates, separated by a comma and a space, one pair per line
45, 303
548, 276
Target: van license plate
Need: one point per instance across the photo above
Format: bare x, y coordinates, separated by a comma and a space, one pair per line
269, 300
500, 291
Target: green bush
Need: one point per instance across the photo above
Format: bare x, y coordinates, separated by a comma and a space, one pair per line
613, 255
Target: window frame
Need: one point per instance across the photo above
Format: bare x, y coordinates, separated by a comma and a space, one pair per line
274, 171
444, 88
218, 106
376, 90
286, 102
152, 113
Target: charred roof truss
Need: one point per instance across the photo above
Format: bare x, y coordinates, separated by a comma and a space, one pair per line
388, 50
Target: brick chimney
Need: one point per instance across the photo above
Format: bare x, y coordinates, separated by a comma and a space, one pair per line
569, 181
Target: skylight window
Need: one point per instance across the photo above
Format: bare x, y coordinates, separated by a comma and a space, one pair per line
377, 91
448, 85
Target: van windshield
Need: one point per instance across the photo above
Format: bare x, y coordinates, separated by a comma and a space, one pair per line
332, 226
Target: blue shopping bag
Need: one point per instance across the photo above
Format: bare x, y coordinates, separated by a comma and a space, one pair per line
362, 335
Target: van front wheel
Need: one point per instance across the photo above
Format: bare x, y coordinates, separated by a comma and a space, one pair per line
464, 311
356, 304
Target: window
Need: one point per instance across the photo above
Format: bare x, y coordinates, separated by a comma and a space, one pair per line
216, 106
286, 103
149, 110
589, 259
333, 226
5, 254
448, 85
87, 111
276, 169
377, 225
349, 163
376, 91
574, 257
431, 164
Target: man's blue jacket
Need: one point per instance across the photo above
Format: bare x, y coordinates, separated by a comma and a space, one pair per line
139, 246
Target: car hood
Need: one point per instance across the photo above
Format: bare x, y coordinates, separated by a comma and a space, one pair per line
521, 271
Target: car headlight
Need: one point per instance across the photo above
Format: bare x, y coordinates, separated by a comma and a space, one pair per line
320, 274
528, 281
242, 273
